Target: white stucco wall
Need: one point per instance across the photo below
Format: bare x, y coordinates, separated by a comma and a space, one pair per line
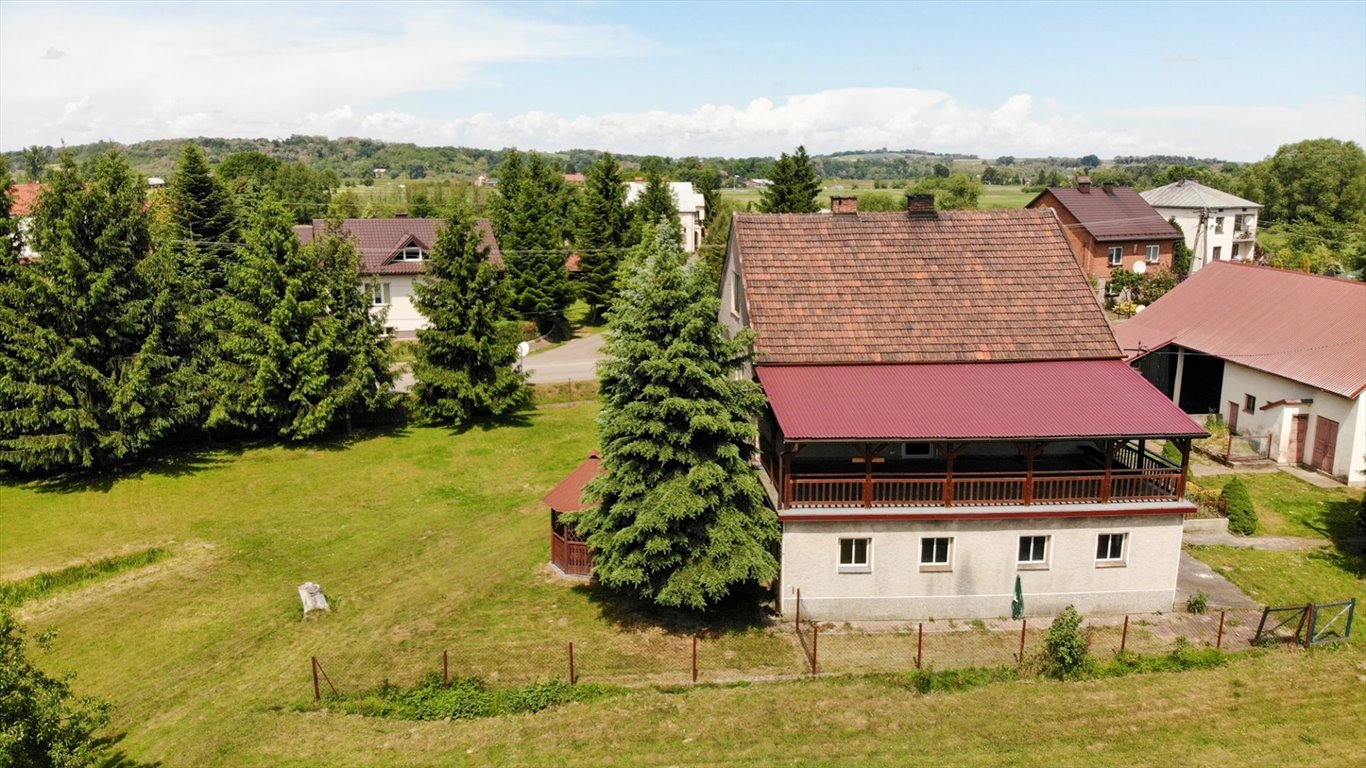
984, 566
1202, 240
1349, 458
692, 209
402, 315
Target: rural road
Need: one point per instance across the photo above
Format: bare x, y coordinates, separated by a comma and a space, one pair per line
575, 360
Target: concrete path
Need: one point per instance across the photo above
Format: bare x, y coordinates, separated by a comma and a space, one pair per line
575, 360
1194, 576
1275, 543
1313, 478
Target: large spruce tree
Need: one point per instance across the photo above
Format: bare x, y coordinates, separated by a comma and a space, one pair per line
681, 517
300, 354
656, 208
465, 366
795, 186
530, 223
601, 232
89, 379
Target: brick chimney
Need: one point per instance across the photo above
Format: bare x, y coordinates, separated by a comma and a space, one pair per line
920, 207
1109, 187
401, 215
841, 204
1084, 185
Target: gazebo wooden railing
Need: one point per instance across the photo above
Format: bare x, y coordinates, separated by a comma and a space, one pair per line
569, 553
962, 489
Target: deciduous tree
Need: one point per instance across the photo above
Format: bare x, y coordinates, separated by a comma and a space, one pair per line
681, 518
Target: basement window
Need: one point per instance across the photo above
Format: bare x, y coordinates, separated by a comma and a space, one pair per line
856, 556
936, 554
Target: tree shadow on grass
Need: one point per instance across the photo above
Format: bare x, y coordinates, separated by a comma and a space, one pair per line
118, 758
1341, 524
747, 608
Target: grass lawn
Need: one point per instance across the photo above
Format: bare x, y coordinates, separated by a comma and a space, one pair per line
428, 540
992, 196
1289, 506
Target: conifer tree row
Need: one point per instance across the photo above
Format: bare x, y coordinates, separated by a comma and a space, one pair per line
602, 233
681, 517
531, 221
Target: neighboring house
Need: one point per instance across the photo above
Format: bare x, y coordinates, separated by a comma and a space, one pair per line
1218, 226
574, 178
1111, 227
393, 253
1274, 352
155, 182
692, 209
23, 200
948, 410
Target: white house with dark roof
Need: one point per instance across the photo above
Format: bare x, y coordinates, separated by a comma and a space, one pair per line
1218, 226
393, 253
932, 436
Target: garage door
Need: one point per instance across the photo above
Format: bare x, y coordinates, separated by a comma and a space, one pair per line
1325, 443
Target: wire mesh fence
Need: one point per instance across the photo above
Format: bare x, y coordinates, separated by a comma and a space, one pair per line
787, 649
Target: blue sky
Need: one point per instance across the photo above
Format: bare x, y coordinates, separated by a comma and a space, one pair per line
1227, 80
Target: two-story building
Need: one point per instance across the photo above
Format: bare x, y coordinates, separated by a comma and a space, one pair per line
394, 252
1110, 228
1217, 226
949, 411
692, 209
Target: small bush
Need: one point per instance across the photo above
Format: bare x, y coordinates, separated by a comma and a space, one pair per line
1242, 516
1197, 603
1065, 650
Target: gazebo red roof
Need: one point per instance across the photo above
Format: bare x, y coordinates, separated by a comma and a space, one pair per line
970, 401
568, 495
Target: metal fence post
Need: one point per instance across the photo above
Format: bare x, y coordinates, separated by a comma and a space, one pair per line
317, 692
445, 670
919, 644
799, 609
1124, 635
815, 636
573, 677
1024, 625
694, 658
1219, 640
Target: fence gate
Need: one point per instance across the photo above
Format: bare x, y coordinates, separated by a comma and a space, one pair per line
1282, 625
1331, 621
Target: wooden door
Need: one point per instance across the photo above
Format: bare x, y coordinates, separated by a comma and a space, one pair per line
1232, 416
1325, 444
1299, 430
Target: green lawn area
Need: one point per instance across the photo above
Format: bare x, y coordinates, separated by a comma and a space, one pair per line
428, 540
1289, 506
992, 196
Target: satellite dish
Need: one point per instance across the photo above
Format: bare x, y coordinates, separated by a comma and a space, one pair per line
523, 349
1140, 308
1140, 267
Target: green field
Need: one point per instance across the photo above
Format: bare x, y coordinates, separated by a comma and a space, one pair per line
992, 196
428, 540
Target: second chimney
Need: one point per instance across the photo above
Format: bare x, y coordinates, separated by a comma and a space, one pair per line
1084, 184
843, 204
920, 207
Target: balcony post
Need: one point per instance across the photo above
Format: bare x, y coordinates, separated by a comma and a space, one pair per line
867, 476
785, 464
1031, 449
1110, 448
1184, 444
950, 450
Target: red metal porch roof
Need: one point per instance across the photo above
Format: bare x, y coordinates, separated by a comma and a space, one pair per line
962, 401
568, 495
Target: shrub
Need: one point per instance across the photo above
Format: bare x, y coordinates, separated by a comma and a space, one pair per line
1065, 650
1197, 603
1242, 516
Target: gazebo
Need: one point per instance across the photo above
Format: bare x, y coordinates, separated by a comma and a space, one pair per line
568, 553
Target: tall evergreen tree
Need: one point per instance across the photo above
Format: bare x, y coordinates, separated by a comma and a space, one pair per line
503, 203
681, 517
90, 380
465, 367
302, 354
602, 226
795, 186
531, 233
656, 208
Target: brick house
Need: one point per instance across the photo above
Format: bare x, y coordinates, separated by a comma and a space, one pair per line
393, 253
939, 425
1111, 227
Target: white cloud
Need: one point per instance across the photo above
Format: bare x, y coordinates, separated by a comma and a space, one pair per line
54, 53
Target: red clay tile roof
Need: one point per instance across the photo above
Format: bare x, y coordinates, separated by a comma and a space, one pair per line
1069, 398
24, 198
568, 495
1117, 214
379, 239
969, 286
1307, 328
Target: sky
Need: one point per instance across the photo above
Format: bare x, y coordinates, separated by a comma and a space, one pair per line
1226, 80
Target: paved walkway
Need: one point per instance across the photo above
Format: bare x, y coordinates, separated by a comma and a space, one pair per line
1194, 576
575, 360
1277, 543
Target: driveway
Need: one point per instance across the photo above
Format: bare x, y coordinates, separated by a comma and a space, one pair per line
575, 360
1194, 576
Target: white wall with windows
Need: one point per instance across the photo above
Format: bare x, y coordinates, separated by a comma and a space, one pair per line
1216, 234
896, 570
393, 295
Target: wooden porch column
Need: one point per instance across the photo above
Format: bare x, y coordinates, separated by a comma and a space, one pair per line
1031, 451
950, 451
1110, 448
1142, 453
1184, 444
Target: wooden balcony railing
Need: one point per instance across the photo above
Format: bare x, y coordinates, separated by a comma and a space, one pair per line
1155, 481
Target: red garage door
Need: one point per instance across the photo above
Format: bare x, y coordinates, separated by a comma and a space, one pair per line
1325, 443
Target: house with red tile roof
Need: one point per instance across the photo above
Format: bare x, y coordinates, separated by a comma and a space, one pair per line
1110, 228
23, 200
948, 412
394, 252
1280, 355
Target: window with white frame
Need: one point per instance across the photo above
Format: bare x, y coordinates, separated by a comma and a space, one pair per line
1240, 222
411, 253
856, 555
1154, 253
1033, 551
1111, 549
379, 294
936, 554
1117, 256
735, 288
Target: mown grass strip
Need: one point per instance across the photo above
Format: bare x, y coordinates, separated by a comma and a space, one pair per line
45, 583
464, 698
